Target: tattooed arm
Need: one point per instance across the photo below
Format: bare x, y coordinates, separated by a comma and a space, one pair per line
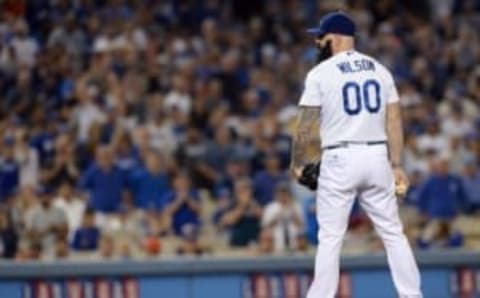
395, 146
305, 137
395, 134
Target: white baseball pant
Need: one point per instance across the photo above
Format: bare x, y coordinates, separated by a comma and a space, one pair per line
365, 171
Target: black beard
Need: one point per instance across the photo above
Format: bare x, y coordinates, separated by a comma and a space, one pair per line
324, 52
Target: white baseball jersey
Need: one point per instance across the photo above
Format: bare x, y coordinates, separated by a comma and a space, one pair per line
352, 90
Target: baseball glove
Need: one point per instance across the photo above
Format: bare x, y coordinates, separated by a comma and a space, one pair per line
309, 176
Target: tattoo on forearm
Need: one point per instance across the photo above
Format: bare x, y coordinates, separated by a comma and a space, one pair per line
305, 135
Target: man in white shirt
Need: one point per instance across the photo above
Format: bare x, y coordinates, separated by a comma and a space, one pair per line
433, 140
47, 223
24, 46
73, 206
284, 217
88, 112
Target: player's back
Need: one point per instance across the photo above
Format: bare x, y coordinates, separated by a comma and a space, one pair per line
352, 90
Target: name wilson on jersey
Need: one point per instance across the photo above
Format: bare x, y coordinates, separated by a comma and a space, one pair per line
356, 66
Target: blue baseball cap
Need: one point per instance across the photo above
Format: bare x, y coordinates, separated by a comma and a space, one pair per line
334, 22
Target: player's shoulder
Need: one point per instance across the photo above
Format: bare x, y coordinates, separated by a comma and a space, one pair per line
316, 71
319, 71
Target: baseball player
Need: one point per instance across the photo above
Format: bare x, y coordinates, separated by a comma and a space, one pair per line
352, 97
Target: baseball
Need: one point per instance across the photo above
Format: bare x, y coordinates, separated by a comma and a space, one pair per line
401, 189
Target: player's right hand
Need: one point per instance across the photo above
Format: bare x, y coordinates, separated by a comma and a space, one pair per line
401, 181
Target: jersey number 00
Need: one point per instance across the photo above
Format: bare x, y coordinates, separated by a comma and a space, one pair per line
362, 95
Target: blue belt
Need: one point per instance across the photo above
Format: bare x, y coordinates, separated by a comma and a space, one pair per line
345, 144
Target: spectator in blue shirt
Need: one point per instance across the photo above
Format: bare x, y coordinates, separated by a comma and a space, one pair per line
127, 157
266, 181
44, 141
272, 137
442, 196
411, 197
9, 171
440, 199
104, 181
236, 168
183, 206
149, 184
87, 236
471, 183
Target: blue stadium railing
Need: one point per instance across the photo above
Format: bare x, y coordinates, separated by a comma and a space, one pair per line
208, 265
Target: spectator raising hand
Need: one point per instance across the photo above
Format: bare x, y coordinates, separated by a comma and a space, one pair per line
182, 204
242, 217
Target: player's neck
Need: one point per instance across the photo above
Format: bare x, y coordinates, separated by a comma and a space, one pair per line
343, 44
343, 50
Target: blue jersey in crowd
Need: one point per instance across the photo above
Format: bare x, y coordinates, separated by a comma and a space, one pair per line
9, 178
184, 215
148, 189
442, 196
105, 187
264, 186
86, 239
44, 143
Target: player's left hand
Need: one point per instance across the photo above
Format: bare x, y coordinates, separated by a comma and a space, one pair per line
401, 181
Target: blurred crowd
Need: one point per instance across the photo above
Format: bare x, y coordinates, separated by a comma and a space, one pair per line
133, 129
